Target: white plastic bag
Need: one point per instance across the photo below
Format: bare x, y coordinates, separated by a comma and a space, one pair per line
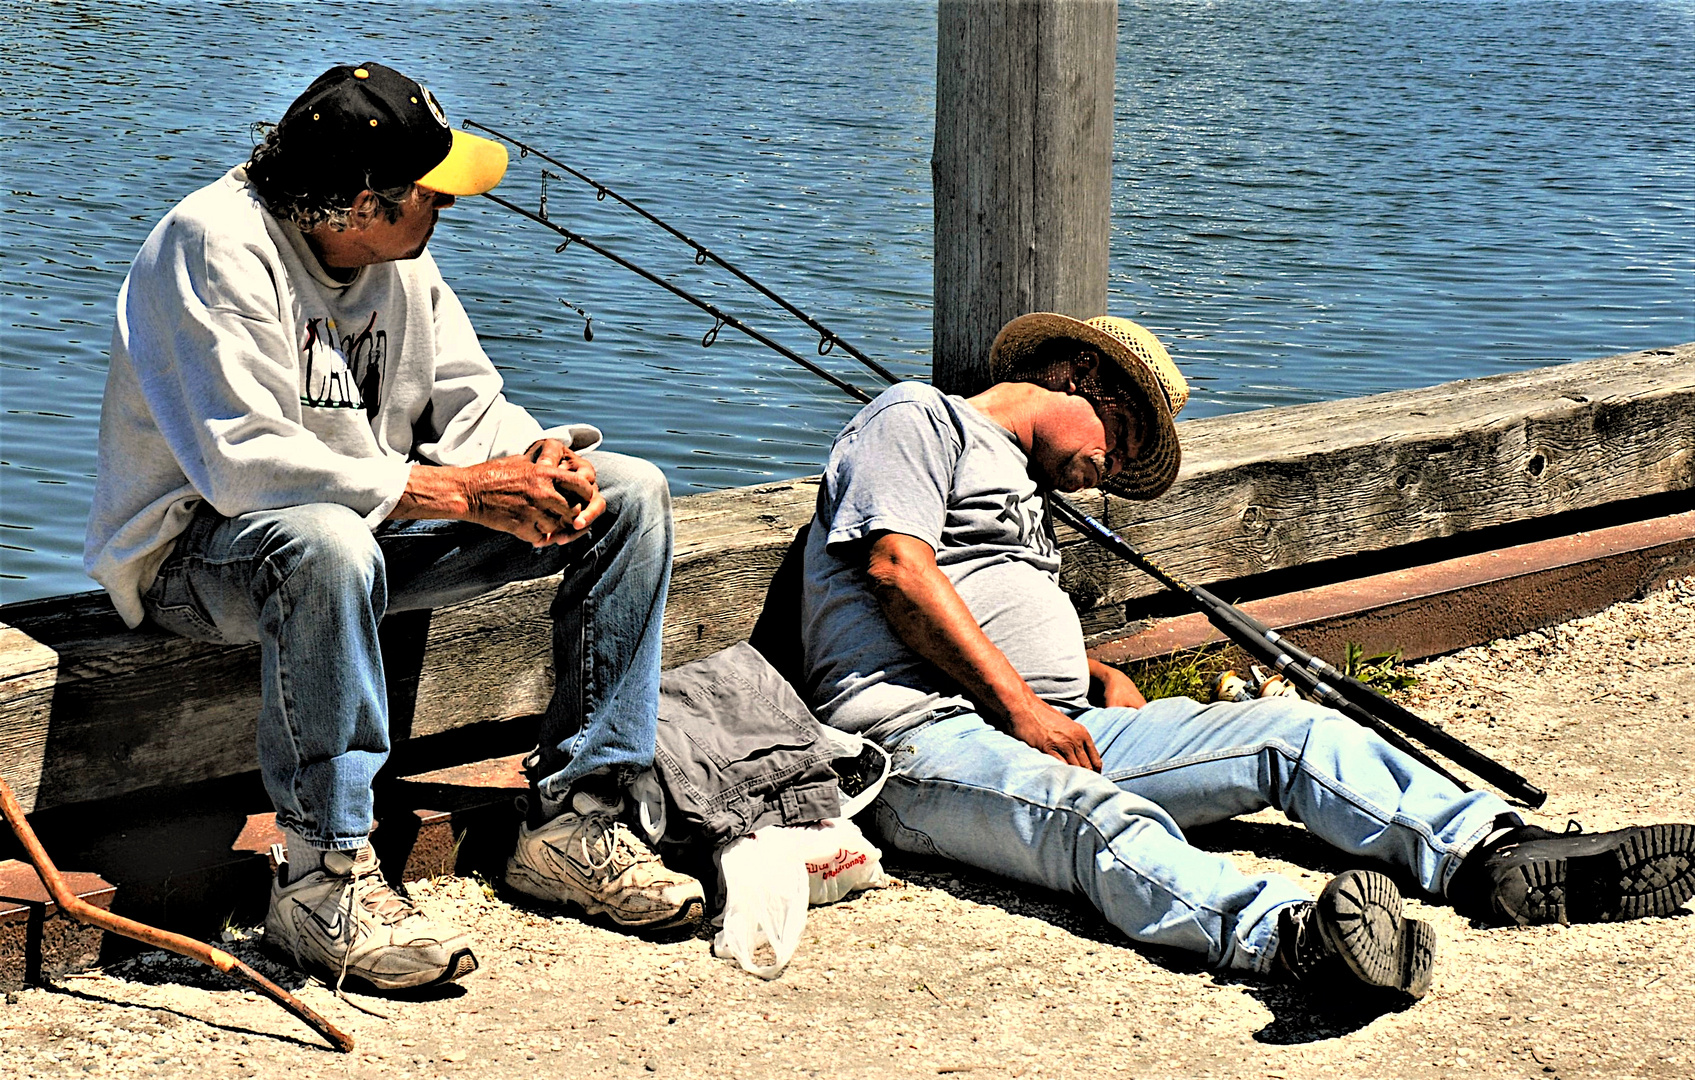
765, 899
839, 860
772, 876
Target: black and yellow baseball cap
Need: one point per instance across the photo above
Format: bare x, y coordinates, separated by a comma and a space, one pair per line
372, 127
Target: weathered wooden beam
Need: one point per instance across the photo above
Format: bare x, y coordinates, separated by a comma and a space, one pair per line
1280, 488
1284, 487
91, 710
1022, 169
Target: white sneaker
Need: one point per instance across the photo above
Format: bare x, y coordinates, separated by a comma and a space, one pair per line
588, 858
343, 921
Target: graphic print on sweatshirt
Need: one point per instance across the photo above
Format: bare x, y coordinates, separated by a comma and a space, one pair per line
344, 373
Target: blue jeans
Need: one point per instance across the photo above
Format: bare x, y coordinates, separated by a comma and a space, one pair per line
310, 584
967, 792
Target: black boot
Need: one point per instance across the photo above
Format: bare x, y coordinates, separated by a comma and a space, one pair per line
1530, 875
1353, 935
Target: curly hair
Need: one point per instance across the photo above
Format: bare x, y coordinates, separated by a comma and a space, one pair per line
304, 196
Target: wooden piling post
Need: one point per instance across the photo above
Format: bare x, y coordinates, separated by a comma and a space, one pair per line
1022, 170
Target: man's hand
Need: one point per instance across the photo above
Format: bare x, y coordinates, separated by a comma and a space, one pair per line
548, 495
927, 613
1055, 734
1113, 689
552, 452
581, 486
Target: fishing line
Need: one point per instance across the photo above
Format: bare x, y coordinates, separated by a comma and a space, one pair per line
827, 339
721, 318
1315, 678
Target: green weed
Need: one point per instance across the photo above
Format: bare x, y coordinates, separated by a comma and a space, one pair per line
1384, 672
229, 932
1183, 674
453, 857
1190, 673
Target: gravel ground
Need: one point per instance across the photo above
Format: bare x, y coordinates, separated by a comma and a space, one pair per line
948, 971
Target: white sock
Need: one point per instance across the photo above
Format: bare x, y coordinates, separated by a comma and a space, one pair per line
598, 788
1494, 836
1497, 833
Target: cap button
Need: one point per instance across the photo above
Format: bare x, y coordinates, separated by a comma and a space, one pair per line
361, 73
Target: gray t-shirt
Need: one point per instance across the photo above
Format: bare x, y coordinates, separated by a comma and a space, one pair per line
929, 465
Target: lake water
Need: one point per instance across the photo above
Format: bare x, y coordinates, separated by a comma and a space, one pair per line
1311, 201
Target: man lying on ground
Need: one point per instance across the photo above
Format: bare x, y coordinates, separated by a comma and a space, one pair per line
301, 433
934, 623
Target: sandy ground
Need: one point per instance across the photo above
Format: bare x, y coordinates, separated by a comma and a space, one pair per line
949, 971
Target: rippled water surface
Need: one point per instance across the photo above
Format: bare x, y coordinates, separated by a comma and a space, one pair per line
1311, 201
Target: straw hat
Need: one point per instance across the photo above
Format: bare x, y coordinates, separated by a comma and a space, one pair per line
1030, 344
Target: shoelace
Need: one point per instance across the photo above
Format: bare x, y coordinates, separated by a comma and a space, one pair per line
612, 835
379, 899
1298, 951
385, 904
1573, 828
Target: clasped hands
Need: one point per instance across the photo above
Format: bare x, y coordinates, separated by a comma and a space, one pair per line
547, 495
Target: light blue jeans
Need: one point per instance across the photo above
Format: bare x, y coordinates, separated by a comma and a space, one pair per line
967, 792
310, 584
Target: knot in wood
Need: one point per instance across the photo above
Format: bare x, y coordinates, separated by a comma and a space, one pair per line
1256, 521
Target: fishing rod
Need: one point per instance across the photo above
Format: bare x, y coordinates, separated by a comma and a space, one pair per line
827, 338
1314, 677
723, 318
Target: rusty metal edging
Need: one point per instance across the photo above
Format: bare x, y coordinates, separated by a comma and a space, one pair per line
84, 912
1440, 607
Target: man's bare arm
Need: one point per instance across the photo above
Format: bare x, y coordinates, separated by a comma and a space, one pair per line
1113, 689
929, 616
547, 495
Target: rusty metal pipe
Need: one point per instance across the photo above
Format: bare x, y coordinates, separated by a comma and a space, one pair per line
84, 912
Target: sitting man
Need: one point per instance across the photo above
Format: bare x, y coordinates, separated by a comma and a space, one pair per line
935, 624
300, 433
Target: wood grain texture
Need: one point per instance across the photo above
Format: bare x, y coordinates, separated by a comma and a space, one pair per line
90, 709
1281, 487
1022, 169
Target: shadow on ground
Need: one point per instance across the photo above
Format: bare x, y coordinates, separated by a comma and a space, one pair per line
308, 1042
1299, 1015
1302, 1016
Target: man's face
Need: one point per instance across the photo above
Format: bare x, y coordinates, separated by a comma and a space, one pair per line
1078, 444
376, 239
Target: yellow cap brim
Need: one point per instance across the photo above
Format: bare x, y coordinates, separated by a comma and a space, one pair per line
473, 166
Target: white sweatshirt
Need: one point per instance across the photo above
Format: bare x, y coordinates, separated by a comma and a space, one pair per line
245, 376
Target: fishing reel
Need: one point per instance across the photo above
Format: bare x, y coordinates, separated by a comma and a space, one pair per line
1229, 686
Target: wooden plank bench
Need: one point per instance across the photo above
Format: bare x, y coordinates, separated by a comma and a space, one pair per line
90, 710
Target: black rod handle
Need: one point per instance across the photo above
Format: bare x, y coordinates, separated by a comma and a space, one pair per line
1348, 696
